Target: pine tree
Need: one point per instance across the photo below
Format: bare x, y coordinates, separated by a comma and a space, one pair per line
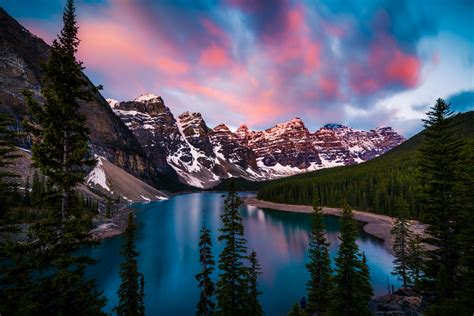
438, 164
59, 130
403, 235
465, 202
52, 269
365, 289
415, 260
231, 288
205, 306
37, 190
254, 308
319, 266
352, 289
7, 155
296, 310
108, 211
27, 194
131, 290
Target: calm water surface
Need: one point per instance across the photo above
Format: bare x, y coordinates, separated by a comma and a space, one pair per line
168, 234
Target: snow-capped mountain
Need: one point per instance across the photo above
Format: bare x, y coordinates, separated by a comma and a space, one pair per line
202, 156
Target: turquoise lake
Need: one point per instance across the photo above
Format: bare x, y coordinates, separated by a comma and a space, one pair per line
167, 238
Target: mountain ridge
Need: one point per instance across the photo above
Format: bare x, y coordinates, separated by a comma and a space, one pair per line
204, 156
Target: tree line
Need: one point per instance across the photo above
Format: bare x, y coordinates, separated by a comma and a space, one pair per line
375, 186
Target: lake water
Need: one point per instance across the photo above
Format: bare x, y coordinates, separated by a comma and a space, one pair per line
167, 238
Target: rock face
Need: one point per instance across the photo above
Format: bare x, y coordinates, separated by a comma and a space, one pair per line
202, 156
21, 54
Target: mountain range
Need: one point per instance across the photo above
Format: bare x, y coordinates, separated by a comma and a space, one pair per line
203, 156
145, 139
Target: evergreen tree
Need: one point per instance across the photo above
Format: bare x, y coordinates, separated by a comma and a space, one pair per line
231, 288
7, 155
205, 306
319, 266
51, 268
108, 211
465, 202
60, 132
131, 290
37, 190
27, 194
253, 304
296, 310
365, 290
352, 289
403, 235
438, 164
415, 259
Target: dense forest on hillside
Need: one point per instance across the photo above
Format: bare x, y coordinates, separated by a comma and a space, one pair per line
372, 186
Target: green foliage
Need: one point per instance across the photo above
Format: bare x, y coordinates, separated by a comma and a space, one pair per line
254, 308
403, 235
373, 186
232, 285
108, 211
59, 131
465, 201
296, 310
205, 306
7, 155
438, 163
131, 290
319, 286
44, 275
352, 288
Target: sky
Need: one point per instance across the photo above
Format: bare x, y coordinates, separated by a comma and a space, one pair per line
261, 62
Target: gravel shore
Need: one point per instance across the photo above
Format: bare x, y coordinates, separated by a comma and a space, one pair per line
375, 224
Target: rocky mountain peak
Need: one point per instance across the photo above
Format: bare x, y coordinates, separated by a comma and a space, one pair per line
148, 97
153, 106
221, 128
112, 102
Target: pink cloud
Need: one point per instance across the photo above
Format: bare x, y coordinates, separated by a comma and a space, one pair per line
214, 56
386, 64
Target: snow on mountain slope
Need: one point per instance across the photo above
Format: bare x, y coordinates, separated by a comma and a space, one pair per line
202, 157
114, 182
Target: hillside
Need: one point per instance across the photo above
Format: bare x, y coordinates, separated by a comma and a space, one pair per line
21, 57
372, 186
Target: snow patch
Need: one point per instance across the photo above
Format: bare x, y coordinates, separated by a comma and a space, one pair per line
112, 102
97, 175
146, 97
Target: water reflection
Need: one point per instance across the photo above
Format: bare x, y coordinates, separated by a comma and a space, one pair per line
168, 233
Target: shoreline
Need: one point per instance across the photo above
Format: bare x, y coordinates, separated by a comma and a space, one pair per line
376, 225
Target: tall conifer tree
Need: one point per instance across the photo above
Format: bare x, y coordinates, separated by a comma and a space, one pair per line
52, 270
403, 235
232, 287
7, 155
319, 285
254, 308
205, 306
352, 289
59, 128
438, 164
131, 290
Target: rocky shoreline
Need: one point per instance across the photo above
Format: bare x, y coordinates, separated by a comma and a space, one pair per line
376, 225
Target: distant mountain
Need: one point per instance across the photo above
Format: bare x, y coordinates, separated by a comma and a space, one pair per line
203, 156
373, 186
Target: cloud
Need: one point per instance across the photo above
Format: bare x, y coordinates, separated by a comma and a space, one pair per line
260, 62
